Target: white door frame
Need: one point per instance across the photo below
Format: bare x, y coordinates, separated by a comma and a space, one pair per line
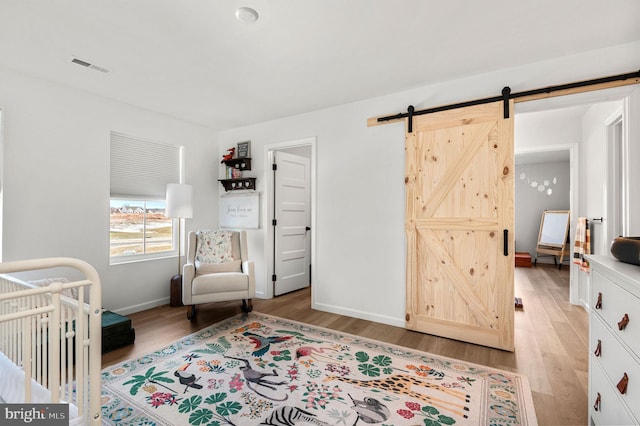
268, 211
617, 161
574, 201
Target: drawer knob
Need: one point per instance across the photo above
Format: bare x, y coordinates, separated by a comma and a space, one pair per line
599, 302
623, 322
596, 406
622, 384
598, 350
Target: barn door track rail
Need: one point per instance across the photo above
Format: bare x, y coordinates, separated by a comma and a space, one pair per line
528, 95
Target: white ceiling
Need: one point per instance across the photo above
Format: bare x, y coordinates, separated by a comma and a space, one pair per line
193, 60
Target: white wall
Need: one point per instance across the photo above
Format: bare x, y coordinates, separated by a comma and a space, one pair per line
548, 130
593, 176
359, 231
593, 184
56, 181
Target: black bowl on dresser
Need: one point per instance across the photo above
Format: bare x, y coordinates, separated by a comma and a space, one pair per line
626, 249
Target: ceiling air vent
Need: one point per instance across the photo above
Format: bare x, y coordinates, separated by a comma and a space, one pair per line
90, 65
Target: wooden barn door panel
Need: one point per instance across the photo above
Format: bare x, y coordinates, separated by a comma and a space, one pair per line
459, 189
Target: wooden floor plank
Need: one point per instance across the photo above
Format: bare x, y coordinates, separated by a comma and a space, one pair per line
551, 338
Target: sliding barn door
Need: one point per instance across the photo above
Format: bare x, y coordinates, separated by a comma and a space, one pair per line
459, 225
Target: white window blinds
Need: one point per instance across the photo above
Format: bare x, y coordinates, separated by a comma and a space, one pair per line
141, 168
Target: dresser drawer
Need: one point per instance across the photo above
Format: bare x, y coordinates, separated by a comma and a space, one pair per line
616, 303
611, 410
616, 362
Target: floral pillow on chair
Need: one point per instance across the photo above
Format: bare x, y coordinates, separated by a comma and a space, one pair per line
214, 252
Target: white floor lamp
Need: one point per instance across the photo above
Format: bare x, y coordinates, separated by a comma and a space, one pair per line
179, 205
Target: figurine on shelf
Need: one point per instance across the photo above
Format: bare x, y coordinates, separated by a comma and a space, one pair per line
229, 155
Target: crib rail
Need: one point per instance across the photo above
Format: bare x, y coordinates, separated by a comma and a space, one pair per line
54, 338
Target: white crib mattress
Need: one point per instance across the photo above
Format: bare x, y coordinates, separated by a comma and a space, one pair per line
12, 387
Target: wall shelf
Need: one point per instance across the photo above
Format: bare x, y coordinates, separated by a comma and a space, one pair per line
238, 183
239, 163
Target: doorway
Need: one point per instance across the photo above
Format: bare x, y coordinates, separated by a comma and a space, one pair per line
543, 182
290, 216
551, 133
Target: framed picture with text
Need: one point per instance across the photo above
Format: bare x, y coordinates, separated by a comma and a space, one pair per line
244, 149
240, 211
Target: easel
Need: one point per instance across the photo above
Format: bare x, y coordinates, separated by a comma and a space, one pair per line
553, 237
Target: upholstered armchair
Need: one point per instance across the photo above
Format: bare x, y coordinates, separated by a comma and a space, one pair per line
218, 269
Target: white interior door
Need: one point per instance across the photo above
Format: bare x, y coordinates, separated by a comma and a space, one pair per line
291, 225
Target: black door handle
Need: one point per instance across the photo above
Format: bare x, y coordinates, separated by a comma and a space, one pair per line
505, 233
307, 228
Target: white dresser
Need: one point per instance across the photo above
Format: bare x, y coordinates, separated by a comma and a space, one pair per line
614, 342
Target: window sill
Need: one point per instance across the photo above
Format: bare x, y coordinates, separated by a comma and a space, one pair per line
122, 260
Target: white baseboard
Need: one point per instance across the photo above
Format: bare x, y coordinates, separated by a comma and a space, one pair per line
142, 306
154, 304
383, 319
584, 304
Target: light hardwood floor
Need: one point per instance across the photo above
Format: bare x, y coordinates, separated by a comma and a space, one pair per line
551, 338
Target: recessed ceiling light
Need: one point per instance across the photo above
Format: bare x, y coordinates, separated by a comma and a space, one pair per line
246, 15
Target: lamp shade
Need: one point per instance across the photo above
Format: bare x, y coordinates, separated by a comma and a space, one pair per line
179, 200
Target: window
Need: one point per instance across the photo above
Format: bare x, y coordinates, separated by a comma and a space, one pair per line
139, 227
140, 172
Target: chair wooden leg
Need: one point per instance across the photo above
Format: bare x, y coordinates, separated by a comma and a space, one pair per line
191, 312
247, 305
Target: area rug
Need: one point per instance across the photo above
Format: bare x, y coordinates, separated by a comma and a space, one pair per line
264, 370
